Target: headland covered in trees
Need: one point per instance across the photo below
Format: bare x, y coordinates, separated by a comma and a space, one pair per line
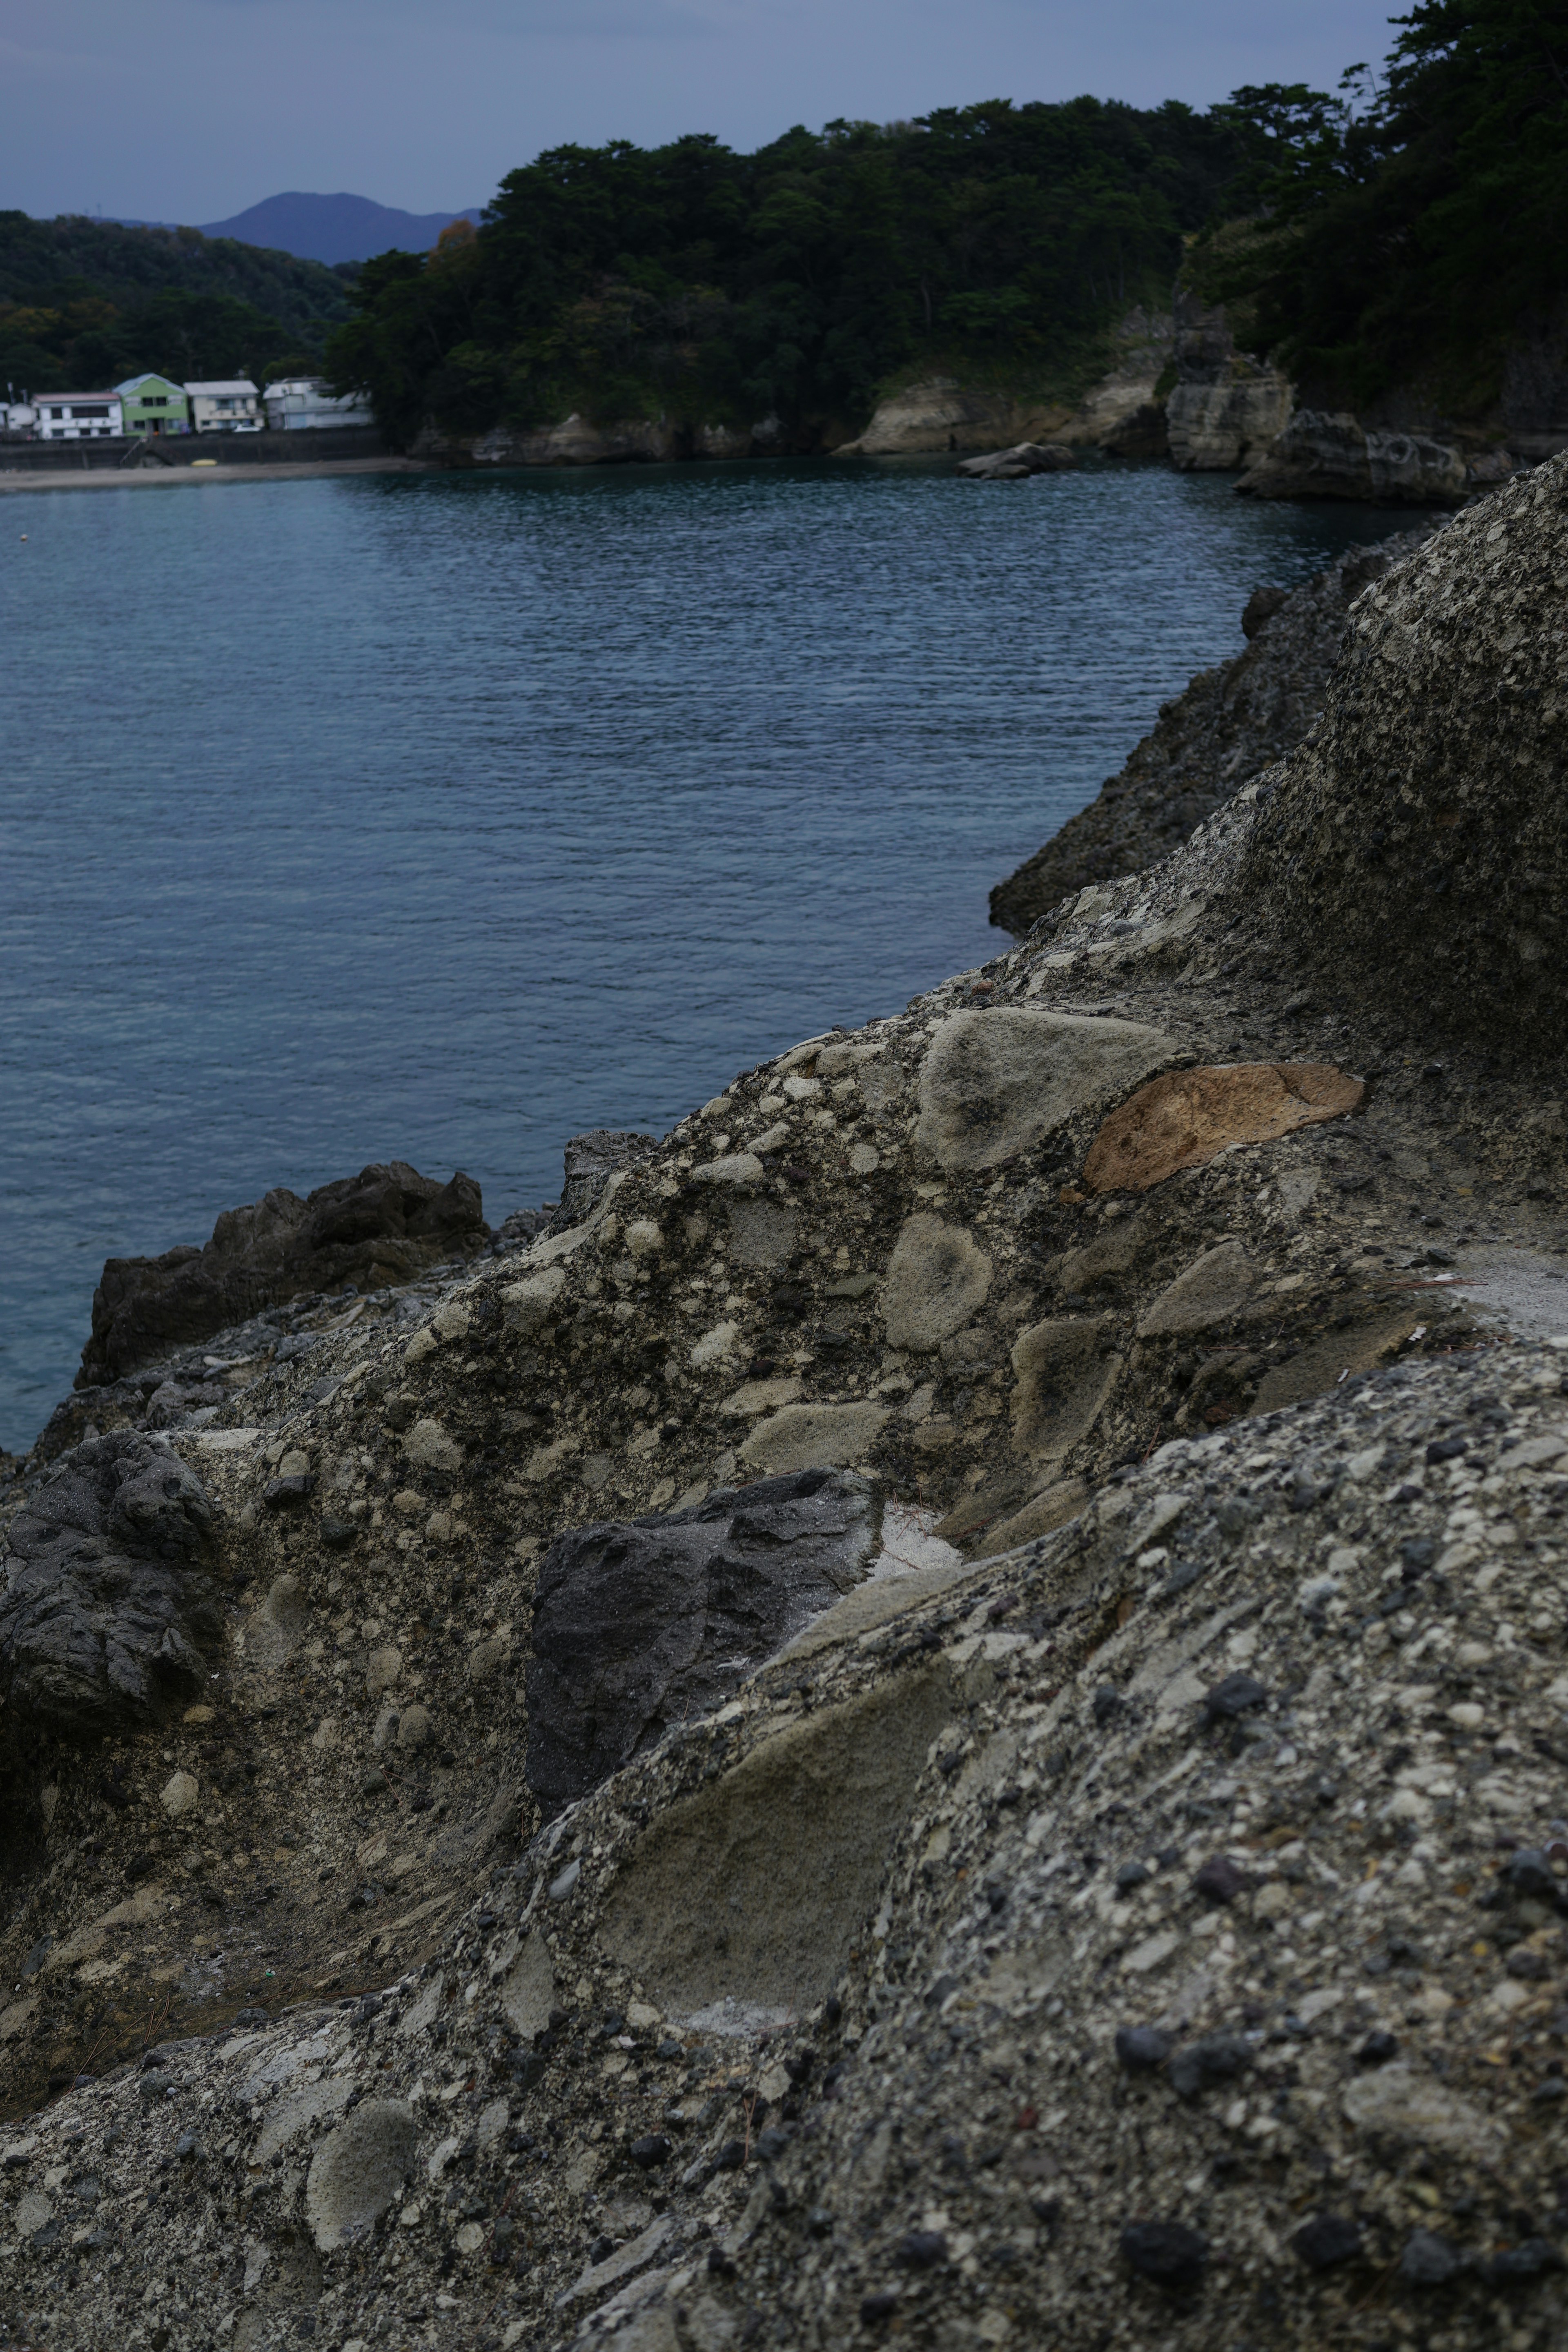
1395, 242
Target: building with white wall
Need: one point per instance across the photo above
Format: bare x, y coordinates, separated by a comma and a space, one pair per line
230, 405
298, 404
78, 415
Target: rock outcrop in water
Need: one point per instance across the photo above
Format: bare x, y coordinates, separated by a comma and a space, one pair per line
1145, 1929
381, 1226
1207, 741
1317, 455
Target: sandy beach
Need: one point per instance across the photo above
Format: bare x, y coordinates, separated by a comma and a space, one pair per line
141, 478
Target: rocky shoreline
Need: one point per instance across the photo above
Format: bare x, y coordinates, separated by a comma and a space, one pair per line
932, 1711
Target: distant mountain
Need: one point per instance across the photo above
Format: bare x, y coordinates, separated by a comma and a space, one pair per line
334, 228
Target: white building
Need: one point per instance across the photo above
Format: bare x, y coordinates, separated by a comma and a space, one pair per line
230, 405
78, 415
297, 402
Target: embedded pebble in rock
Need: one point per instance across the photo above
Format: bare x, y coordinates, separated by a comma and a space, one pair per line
991, 1085
358, 2169
1157, 1906
1187, 1117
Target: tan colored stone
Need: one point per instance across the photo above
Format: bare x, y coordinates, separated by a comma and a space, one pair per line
1209, 1291
760, 1396
1052, 1507
937, 1277
1186, 1118
1065, 1373
991, 1084
178, 1795
814, 1436
428, 1447
1411, 2110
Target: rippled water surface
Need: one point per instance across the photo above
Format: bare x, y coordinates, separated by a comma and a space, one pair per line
439, 817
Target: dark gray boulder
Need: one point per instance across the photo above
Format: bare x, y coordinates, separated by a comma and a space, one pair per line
385, 1226
643, 1624
105, 1600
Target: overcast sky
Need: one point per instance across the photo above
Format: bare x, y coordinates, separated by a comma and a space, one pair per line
195, 108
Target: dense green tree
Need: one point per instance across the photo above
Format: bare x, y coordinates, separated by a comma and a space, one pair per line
1406, 229
798, 279
86, 303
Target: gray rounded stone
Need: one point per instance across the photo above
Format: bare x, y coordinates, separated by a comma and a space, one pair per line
357, 2171
991, 1084
937, 1278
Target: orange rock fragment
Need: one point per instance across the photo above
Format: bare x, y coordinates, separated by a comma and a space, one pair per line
1188, 1116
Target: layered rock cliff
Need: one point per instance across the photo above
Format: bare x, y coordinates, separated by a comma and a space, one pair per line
1127, 1912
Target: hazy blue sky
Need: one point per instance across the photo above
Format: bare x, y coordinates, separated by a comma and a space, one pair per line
193, 109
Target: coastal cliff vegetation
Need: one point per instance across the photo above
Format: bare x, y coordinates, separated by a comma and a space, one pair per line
1403, 232
795, 282
1408, 231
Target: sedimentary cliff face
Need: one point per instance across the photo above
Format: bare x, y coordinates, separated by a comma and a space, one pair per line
1130, 1905
1207, 741
1226, 406
1317, 455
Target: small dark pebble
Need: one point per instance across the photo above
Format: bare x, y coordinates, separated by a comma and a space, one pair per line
1327, 2238
1132, 1874
920, 2250
1377, 2049
1528, 1872
1428, 2260
1166, 2252
1446, 1449
1523, 2262
1231, 1698
874, 2308
1142, 2048
648, 2153
1107, 1703
1525, 1963
1214, 2058
1219, 1880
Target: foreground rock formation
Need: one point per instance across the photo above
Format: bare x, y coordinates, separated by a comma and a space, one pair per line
1126, 1912
1207, 741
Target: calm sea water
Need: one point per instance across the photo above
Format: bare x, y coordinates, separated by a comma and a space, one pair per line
440, 818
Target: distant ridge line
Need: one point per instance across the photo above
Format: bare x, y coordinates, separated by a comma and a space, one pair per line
343, 228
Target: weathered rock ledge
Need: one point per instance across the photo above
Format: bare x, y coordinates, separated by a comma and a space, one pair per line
1129, 1911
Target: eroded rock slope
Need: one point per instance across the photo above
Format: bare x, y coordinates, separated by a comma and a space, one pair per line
1126, 1911
1208, 741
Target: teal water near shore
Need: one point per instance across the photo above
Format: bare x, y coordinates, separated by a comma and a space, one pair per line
438, 817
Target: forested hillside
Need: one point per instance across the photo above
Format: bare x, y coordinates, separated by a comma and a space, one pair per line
797, 280
1397, 233
86, 303
1408, 230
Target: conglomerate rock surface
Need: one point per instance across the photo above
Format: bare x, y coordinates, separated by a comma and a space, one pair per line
1132, 1914
1207, 741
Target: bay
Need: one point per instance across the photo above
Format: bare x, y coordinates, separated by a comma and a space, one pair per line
439, 817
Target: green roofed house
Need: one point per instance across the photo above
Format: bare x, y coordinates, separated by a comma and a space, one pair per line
153, 405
